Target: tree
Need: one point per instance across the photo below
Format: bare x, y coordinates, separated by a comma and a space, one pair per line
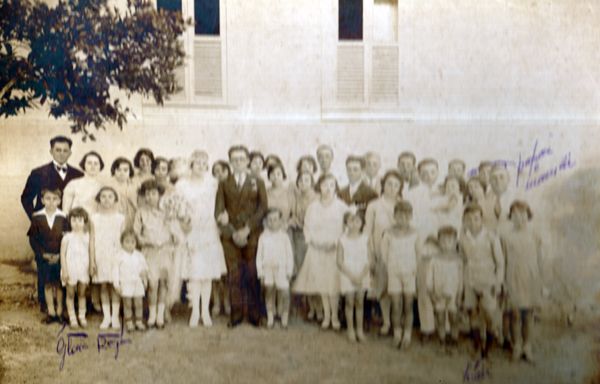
70, 55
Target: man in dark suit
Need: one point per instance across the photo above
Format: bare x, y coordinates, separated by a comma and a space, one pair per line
52, 176
357, 192
240, 206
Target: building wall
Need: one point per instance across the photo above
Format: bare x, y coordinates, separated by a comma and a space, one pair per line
478, 80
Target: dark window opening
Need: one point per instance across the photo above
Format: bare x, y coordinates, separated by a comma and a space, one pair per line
206, 15
350, 20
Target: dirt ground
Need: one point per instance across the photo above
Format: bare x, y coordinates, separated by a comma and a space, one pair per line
29, 352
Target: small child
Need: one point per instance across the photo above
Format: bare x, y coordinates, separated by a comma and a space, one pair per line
76, 266
156, 238
484, 274
401, 248
45, 235
456, 168
523, 250
108, 224
444, 282
274, 266
131, 280
353, 262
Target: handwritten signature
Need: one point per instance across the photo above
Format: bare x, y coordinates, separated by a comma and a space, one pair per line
530, 167
475, 371
77, 342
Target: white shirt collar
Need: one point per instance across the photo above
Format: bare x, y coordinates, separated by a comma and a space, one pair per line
354, 187
50, 218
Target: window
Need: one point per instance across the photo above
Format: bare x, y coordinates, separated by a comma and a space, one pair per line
361, 55
202, 77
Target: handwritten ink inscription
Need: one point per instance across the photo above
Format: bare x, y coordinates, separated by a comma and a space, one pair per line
72, 343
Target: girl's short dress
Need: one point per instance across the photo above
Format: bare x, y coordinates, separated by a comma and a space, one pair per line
130, 268
356, 259
523, 276
107, 232
77, 257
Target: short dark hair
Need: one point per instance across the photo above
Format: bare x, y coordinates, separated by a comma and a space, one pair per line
392, 173
78, 212
358, 214
141, 152
403, 206
235, 148
472, 207
160, 159
520, 204
408, 154
302, 173
150, 185
91, 153
272, 159
485, 163
60, 139
359, 159
308, 158
464, 165
447, 230
254, 154
54, 191
220, 163
322, 178
425, 161
273, 210
106, 188
129, 232
117, 163
272, 169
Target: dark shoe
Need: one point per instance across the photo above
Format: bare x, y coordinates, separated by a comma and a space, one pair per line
254, 322
48, 319
233, 323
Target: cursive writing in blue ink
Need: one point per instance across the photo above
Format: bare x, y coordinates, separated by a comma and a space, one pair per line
111, 341
475, 371
565, 163
532, 162
76, 342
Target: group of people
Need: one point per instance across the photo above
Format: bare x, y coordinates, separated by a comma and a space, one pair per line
239, 234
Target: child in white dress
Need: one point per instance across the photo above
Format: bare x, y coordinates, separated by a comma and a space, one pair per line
450, 208
131, 279
523, 250
445, 283
108, 224
401, 248
274, 266
353, 262
75, 264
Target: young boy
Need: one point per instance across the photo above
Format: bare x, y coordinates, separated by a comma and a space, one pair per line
274, 267
45, 235
445, 283
484, 275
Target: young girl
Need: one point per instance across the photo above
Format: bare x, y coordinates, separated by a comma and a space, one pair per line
143, 162
476, 194
257, 163
156, 237
45, 235
76, 264
122, 182
108, 224
131, 279
221, 170
353, 262
278, 195
523, 250
274, 267
401, 248
449, 210
444, 283
160, 170
323, 226
305, 194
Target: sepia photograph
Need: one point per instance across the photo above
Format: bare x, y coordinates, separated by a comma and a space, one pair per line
301, 191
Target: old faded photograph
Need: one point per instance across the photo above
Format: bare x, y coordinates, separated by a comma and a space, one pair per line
302, 191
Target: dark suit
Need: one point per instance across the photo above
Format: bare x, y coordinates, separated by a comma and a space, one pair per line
44, 177
362, 197
245, 206
44, 239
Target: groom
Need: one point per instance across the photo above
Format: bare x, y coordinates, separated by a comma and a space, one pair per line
55, 175
240, 206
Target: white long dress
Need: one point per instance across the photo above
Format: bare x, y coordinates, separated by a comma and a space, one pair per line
206, 257
107, 230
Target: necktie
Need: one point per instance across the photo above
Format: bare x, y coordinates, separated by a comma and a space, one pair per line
61, 168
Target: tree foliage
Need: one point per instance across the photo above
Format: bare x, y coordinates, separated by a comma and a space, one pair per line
70, 55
